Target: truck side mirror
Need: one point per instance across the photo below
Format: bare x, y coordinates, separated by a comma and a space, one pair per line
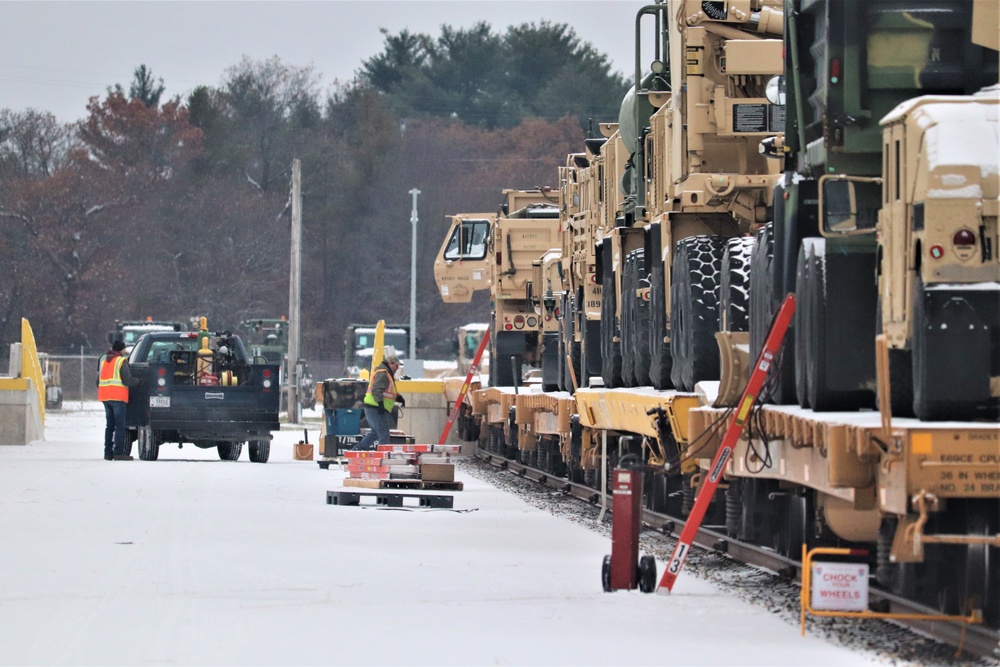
774, 91
849, 204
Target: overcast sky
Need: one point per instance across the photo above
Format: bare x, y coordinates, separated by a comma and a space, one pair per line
55, 55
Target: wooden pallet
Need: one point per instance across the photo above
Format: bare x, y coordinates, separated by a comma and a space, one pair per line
403, 484
353, 498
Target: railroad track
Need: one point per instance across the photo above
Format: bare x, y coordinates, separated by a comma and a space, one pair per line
973, 640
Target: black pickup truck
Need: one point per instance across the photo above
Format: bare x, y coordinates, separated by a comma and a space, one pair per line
218, 397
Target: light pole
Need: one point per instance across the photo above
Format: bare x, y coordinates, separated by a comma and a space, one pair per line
294, 295
413, 278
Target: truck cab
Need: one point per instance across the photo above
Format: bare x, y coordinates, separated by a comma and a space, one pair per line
129, 331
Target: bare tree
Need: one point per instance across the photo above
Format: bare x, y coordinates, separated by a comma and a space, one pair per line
267, 100
33, 144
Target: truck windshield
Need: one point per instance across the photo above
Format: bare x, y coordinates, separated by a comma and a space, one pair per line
159, 351
468, 240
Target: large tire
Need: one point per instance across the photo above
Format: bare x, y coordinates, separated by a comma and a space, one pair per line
550, 361
810, 348
734, 285
660, 359
956, 352
590, 352
803, 276
148, 444
492, 350
628, 317
570, 354
504, 345
694, 310
611, 350
639, 341
925, 408
565, 322
260, 451
835, 336
230, 451
764, 303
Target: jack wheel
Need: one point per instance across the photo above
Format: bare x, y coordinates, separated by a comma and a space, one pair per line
647, 574
606, 574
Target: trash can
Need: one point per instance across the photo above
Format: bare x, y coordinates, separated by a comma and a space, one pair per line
343, 430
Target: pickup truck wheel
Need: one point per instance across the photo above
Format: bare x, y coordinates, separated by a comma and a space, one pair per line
230, 451
149, 444
260, 451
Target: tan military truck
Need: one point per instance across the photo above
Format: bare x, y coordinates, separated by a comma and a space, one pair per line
498, 252
696, 178
938, 243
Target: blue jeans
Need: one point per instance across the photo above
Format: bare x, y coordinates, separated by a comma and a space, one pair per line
378, 421
115, 413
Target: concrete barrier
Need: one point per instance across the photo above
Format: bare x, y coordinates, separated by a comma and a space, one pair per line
22, 393
426, 411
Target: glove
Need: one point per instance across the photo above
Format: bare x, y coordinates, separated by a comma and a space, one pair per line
401, 401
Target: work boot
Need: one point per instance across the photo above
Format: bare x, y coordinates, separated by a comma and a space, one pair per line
109, 457
123, 457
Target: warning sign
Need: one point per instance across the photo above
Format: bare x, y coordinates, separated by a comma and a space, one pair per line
839, 586
750, 118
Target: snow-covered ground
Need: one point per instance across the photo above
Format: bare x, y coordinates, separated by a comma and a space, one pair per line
192, 560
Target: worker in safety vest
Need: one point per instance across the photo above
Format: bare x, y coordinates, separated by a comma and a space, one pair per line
113, 381
379, 402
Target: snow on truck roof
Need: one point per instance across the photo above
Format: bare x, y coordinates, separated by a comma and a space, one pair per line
371, 330
958, 132
147, 327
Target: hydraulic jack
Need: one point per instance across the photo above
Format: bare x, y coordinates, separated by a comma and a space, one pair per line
623, 569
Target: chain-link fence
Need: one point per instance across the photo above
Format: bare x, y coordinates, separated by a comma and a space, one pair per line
78, 376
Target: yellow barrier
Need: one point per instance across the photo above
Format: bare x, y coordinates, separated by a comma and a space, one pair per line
31, 367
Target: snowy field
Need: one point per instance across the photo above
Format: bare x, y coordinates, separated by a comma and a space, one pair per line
192, 560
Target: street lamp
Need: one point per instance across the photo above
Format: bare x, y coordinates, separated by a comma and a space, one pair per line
413, 278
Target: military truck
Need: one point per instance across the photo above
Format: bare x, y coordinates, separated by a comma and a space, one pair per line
884, 230
359, 344
516, 254
268, 338
202, 388
838, 196
128, 331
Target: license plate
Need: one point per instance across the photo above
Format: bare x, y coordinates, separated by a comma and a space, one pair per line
159, 401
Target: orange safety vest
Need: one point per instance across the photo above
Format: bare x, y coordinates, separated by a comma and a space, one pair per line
110, 386
388, 396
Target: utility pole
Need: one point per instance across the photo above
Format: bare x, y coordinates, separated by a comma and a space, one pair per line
413, 278
294, 296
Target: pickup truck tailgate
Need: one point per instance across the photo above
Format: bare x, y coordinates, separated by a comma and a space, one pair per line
207, 411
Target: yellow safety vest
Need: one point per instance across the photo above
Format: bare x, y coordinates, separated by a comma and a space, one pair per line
110, 386
388, 396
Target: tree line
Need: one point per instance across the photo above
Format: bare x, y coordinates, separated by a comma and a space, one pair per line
180, 208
